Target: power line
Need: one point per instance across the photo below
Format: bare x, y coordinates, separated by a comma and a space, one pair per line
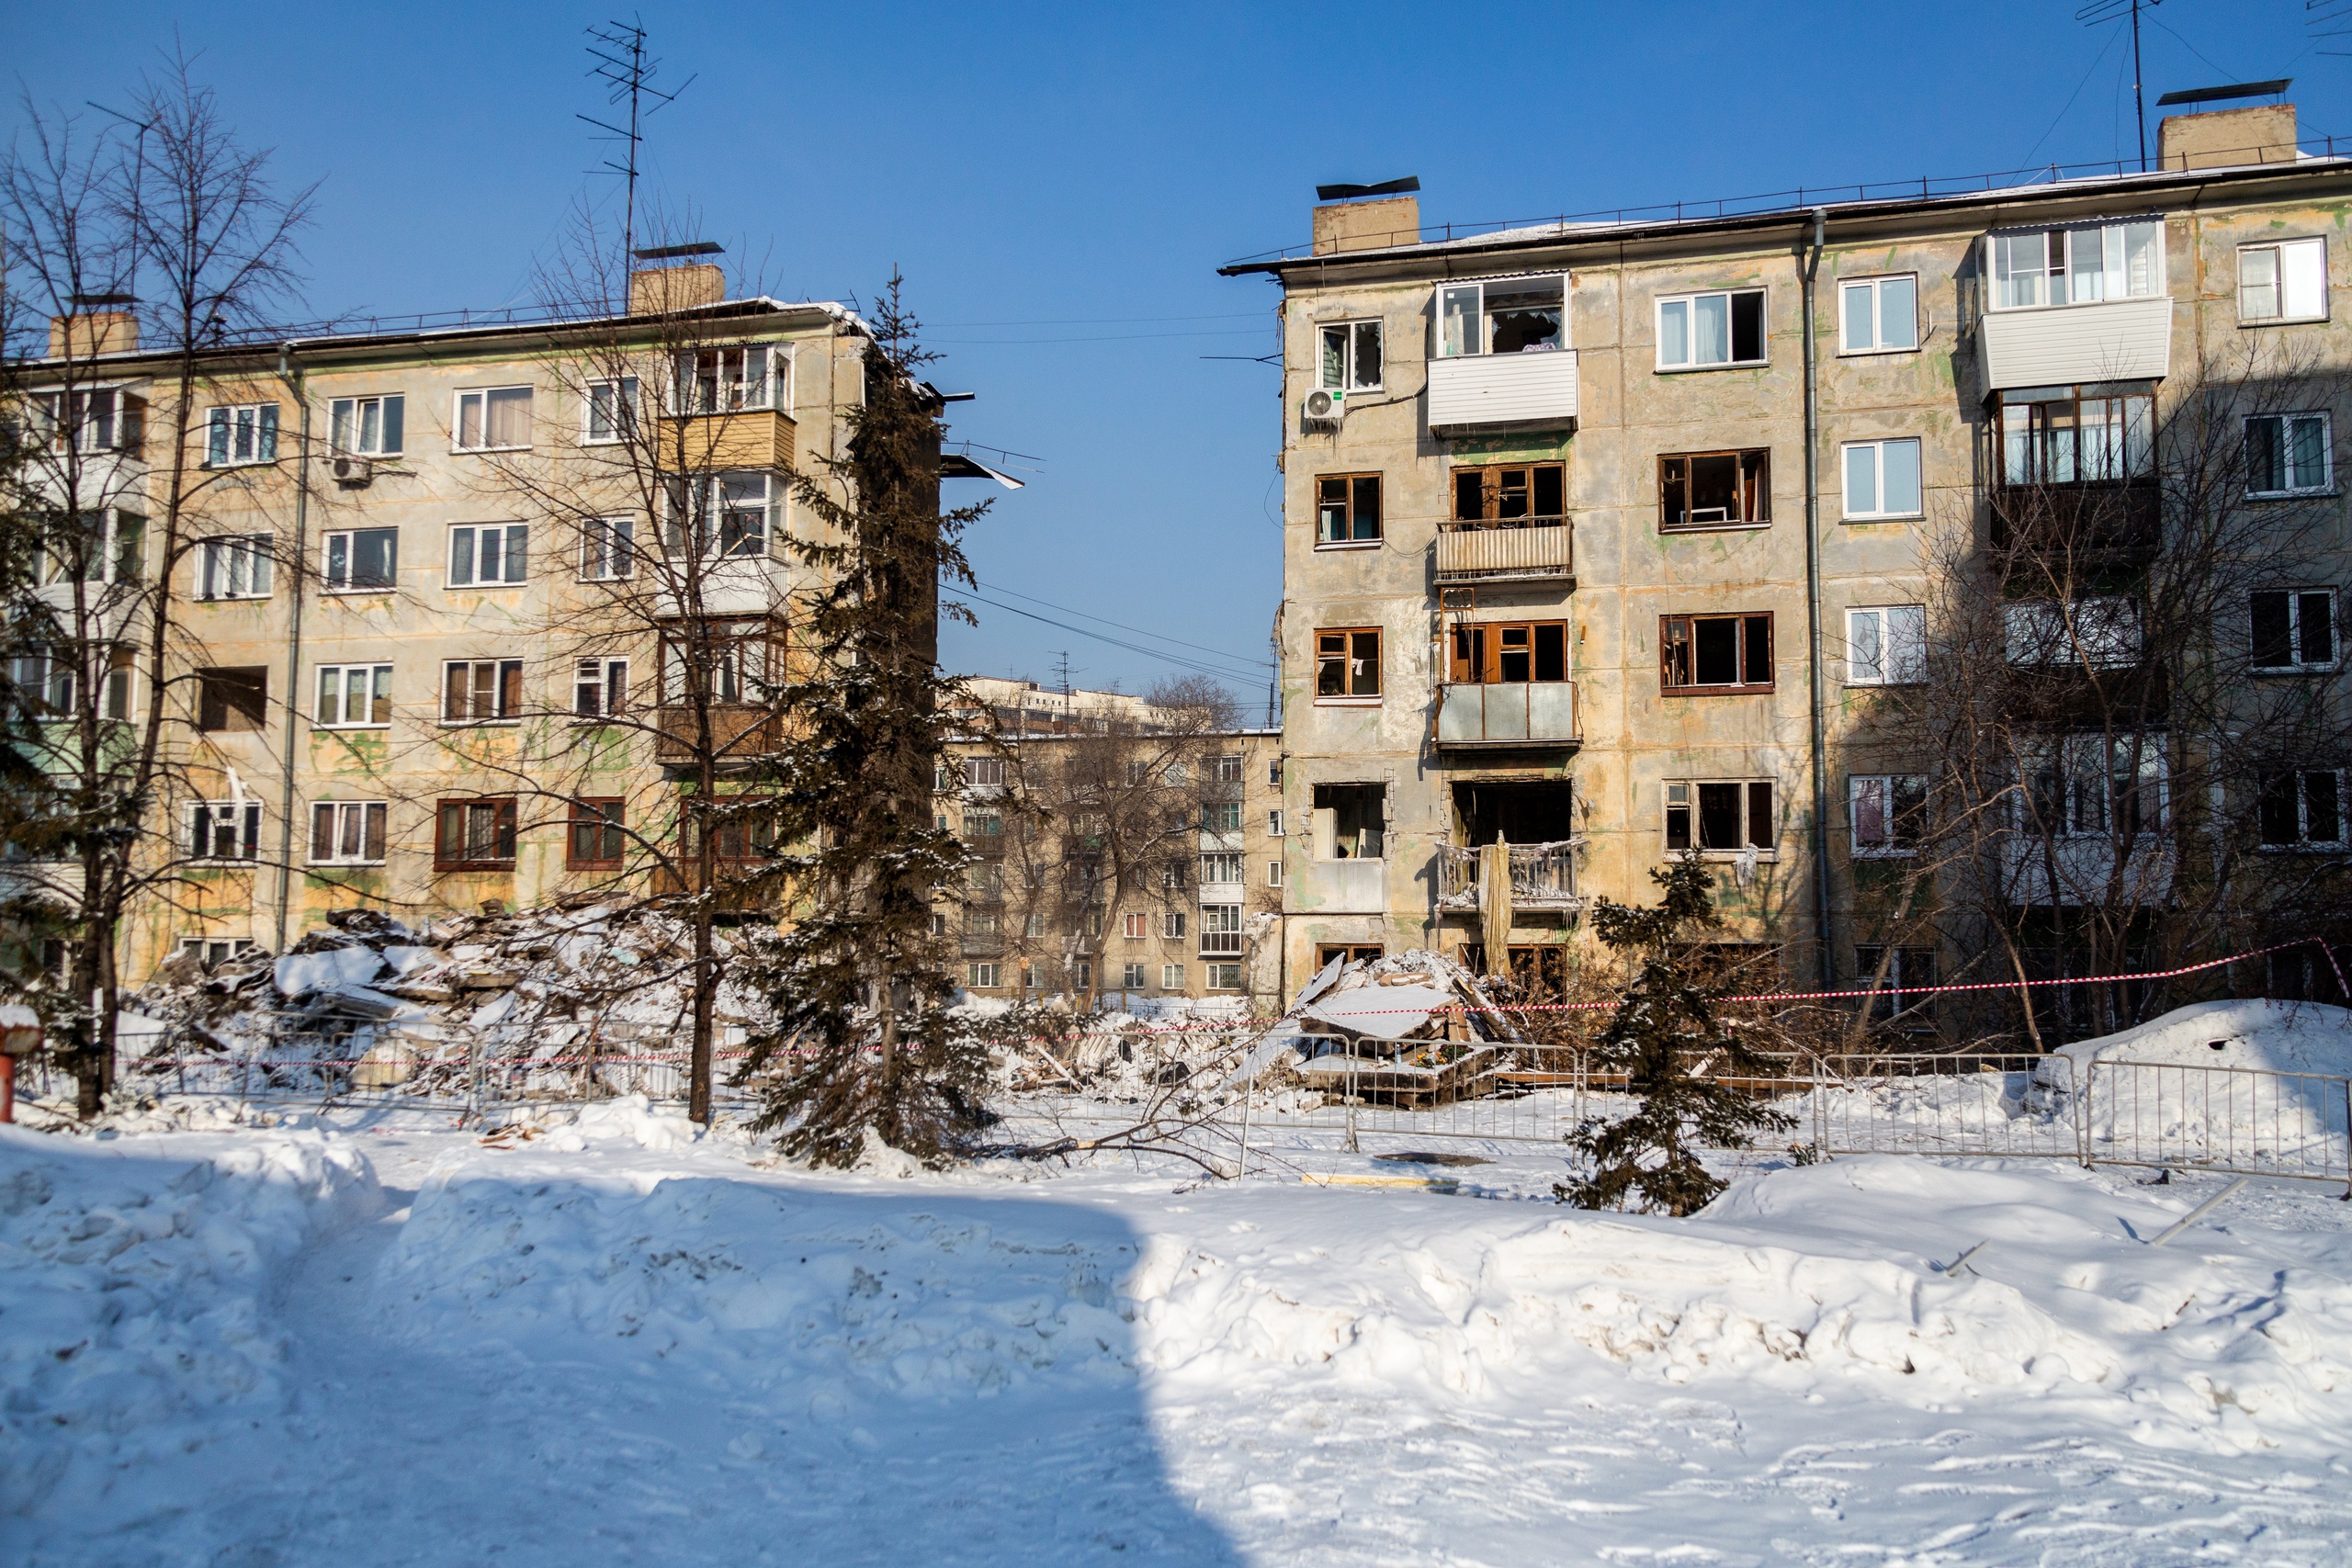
1139, 631
1105, 320
1158, 655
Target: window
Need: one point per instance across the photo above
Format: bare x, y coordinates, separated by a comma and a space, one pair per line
103, 420
494, 419
1221, 816
1888, 813
1502, 315
2294, 630
1726, 815
2302, 810
232, 701
984, 772
482, 691
1082, 976
1347, 509
1882, 478
97, 546
1171, 976
46, 682
354, 696
367, 426
1135, 928
1356, 953
1349, 821
1224, 977
246, 433
980, 925
598, 840
729, 657
1220, 868
2079, 787
208, 951
1220, 929
1347, 664
2283, 282
984, 976
1273, 874
1715, 490
472, 835
985, 880
1228, 770
363, 559
234, 567
1909, 983
1348, 356
610, 411
608, 549
489, 555
121, 664
1697, 331
983, 824
1274, 774
599, 687
1878, 315
726, 514
2096, 633
1503, 492
1273, 824
2078, 265
347, 832
1511, 653
1886, 645
223, 829
724, 380
2096, 434
2289, 454
1172, 925
1131, 977
1725, 653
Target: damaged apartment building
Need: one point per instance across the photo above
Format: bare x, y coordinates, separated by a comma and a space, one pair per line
1593, 549
427, 640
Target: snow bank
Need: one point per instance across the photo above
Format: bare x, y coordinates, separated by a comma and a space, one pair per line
132, 1277
2269, 1036
2195, 1086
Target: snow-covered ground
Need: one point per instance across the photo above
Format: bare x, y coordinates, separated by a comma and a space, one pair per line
381, 1340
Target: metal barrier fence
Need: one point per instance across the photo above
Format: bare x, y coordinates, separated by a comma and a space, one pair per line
2237, 1120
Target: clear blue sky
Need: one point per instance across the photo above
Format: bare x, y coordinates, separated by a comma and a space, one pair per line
1079, 171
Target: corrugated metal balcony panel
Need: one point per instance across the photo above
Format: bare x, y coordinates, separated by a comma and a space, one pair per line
1505, 552
1491, 390
1512, 714
2058, 345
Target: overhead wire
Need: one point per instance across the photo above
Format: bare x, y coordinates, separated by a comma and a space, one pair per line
1158, 655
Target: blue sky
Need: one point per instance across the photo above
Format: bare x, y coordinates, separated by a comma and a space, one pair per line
1060, 183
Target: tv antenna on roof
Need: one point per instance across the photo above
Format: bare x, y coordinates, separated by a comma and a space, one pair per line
2101, 11
618, 49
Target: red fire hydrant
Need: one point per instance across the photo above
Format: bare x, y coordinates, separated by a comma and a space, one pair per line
19, 1036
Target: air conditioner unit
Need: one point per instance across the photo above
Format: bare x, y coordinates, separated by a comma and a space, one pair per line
1325, 405
350, 470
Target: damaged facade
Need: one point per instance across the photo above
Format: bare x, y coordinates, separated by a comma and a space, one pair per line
1592, 550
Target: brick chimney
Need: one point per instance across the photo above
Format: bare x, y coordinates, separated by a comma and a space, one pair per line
659, 289
2226, 138
93, 332
1367, 225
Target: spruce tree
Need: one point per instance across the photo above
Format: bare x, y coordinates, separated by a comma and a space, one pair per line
1677, 1055
862, 1039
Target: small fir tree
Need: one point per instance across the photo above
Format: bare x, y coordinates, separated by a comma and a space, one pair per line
860, 985
1677, 1055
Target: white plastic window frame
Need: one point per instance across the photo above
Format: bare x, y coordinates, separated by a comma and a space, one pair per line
627, 403
2304, 843
458, 417
1171, 976
1857, 786
2326, 485
1688, 299
347, 424
608, 549
230, 426
218, 559
2120, 226
1877, 448
1876, 288
378, 675
1348, 383
1438, 312
2277, 249
350, 537
1892, 667
247, 819
507, 555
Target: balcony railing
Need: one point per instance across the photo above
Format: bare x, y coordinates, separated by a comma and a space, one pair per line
1503, 391
2112, 519
745, 438
737, 734
1529, 549
1508, 714
1542, 876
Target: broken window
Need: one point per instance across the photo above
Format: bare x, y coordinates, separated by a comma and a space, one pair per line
2076, 435
1502, 315
1349, 357
346, 832
362, 559
1347, 662
1508, 493
1347, 508
2283, 282
1888, 813
599, 687
1348, 953
2079, 787
1510, 652
1715, 490
2076, 265
1696, 332
233, 700
223, 829
1725, 815
481, 691
2302, 810
2294, 630
1909, 983
1350, 822
1721, 652
474, 834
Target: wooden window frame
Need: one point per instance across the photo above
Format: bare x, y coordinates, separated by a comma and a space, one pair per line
1492, 479
598, 822
1752, 486
1691, 803
448, 832
1478, 652
1348, 652
1678, 638
1354, 952
1349, 493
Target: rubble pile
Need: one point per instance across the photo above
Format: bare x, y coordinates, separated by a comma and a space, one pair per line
1412, 1028
539, 990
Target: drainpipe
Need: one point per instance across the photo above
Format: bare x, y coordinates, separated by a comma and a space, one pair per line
291, 373
1813, 613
